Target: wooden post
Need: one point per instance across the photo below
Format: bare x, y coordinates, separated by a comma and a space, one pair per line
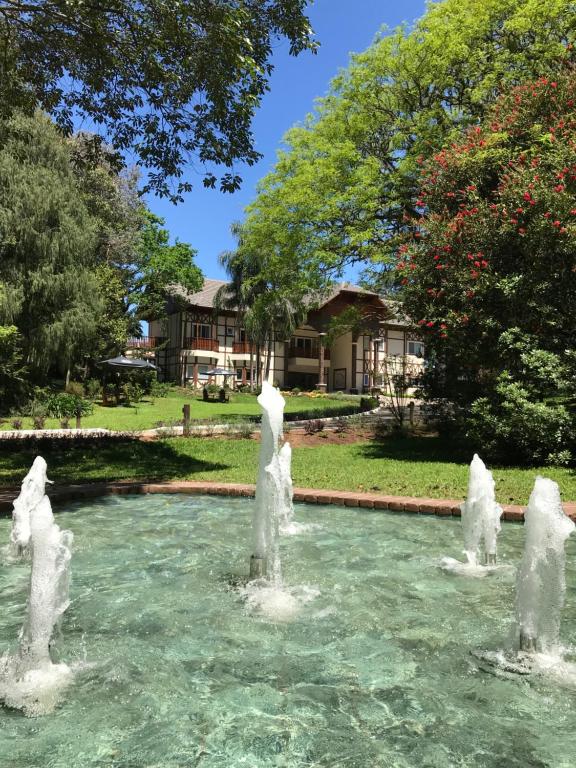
186, 420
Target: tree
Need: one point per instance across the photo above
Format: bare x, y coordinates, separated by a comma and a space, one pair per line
269, 307
12, 371
168, 81
489, 272
158, 265
47, 247
136, 262
345, 184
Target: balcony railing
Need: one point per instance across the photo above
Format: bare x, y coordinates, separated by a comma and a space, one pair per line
146, 342
311, 352
209, 345
242, 348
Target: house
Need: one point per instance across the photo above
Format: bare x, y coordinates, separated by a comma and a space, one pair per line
193, 340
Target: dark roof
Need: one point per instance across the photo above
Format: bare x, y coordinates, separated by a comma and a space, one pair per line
203, 298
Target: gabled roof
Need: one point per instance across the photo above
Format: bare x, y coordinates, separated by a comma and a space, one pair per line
203, 298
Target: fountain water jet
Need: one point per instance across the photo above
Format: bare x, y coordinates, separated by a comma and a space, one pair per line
30, 680
32, 491
265, 517
480, 523
540, 590
541, 583
265, 592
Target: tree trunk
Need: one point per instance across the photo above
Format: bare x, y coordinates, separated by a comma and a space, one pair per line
269, 354
251, 369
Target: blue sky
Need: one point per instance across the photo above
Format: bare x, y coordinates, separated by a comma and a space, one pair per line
342, 27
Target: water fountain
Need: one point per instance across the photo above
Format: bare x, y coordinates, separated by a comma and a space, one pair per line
31, 493
480, 524
265, 593
29, 680
266, 512
541, 583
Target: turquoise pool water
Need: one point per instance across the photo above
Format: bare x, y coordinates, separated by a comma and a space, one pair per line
375, 672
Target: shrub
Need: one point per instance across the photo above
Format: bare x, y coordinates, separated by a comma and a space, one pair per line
64, 423
75, 388
511, 427
340, 425
93, 389
133, 392
16, 423
159, 389
38, 422
309, 428
65, 406
245, 430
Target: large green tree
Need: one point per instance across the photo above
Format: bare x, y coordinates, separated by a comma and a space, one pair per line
166, 80
345, 184
136, 262
489, 272
47, 247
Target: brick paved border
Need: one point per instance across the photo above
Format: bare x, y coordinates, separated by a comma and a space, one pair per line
405, 504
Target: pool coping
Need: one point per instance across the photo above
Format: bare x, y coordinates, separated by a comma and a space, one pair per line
406, 504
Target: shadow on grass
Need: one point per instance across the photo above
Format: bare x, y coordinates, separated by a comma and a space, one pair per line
423, 448
153, 461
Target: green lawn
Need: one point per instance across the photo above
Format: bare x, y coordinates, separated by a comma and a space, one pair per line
406, 467
146, 414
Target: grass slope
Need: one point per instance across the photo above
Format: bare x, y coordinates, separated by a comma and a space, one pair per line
406, 467
146, 414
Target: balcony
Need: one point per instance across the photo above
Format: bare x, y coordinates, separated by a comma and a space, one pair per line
242, 348
207, 345
308, 352
146, 342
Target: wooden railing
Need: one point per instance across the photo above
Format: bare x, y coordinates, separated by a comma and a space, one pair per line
146, 342
311, 352
210, 345
242, 348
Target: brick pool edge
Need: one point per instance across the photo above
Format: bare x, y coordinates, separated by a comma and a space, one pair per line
407, 504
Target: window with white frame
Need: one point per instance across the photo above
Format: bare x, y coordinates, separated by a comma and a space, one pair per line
416, 348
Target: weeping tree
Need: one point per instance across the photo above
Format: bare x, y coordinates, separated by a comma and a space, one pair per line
47, 247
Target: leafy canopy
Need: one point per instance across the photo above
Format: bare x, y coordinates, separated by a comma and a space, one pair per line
490, 271
347, 179
168, 81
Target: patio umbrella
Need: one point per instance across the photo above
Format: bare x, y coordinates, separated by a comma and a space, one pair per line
128, 362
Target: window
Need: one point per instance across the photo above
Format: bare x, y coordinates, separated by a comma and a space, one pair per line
239, 374
241, 334
416, 348
229, 331
303, 344
204, 331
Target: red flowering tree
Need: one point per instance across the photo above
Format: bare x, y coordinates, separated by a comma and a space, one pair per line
489, 270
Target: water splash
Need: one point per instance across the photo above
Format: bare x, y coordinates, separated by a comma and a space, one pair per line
29, 680
541, 582
480, 524
540, 591
265, 593
263, 525
32, 491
